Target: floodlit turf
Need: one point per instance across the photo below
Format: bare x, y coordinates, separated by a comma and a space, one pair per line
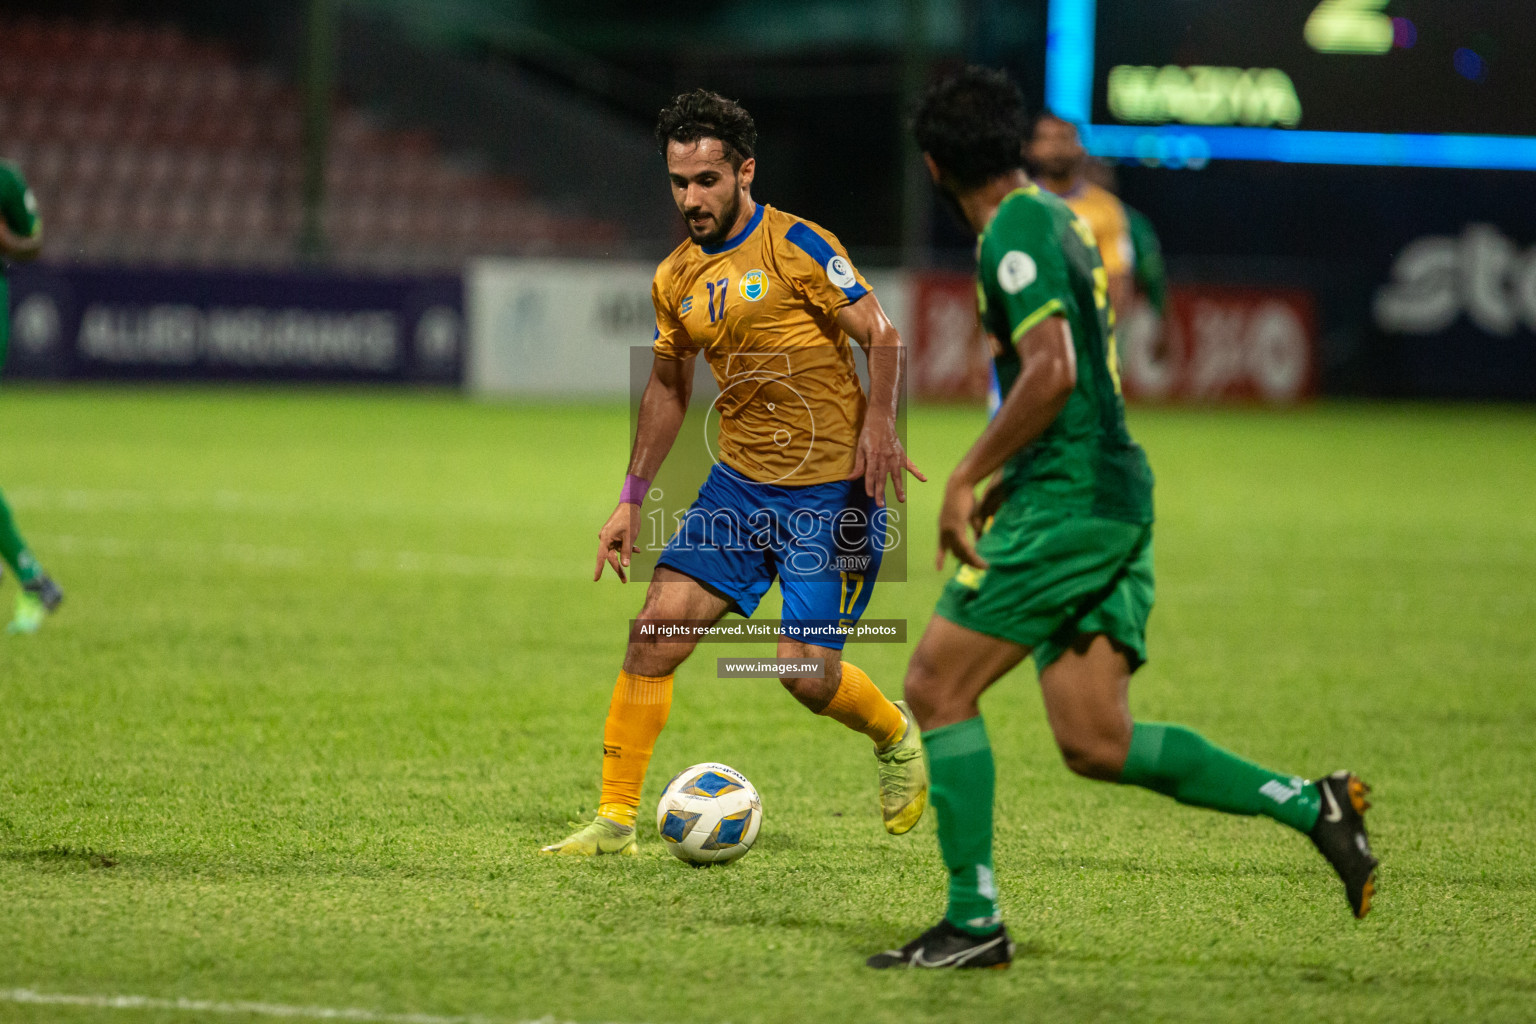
332, 667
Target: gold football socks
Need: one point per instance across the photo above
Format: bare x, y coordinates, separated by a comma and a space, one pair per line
636, 715
859, 704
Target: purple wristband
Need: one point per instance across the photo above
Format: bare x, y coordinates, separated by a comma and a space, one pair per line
634, 490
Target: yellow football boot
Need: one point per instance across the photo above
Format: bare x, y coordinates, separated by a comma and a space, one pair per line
903, 778
601, 837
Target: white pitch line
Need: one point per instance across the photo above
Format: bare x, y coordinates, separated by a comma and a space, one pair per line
274, 557
31, 997
86, 499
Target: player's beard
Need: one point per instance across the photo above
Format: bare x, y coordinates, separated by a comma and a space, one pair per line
1059, 168
723, 224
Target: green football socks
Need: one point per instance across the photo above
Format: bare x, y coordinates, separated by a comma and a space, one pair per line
13, 549
960, 784
1181, 763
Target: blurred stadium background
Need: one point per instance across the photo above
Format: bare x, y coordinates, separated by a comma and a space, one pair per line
329, 669
372, 189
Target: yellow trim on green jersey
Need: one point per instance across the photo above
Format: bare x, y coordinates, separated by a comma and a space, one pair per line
1052, 307
1036, 264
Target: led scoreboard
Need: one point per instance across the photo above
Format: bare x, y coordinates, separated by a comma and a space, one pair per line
1430, 83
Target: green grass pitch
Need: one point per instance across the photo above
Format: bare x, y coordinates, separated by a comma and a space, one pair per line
332, 667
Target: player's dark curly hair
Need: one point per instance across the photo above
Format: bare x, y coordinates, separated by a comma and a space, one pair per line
974, 125
702, 114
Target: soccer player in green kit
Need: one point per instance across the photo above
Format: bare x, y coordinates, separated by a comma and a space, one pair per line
1063, 567
21, 237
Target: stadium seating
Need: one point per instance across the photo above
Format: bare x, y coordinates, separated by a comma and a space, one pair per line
144, 145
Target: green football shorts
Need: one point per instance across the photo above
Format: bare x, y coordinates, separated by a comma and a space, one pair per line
1053, 575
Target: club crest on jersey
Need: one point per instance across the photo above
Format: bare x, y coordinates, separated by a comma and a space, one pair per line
1015, 271
840, 272
754, 285
685, 306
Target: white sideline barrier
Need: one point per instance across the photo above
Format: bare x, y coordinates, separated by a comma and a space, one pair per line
564, 328
555, 327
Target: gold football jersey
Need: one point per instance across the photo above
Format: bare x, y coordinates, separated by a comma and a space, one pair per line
762, 307
1105, 215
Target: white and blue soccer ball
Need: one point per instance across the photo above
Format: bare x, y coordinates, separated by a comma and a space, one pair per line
709, 814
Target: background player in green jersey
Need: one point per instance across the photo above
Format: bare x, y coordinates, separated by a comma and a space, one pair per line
1063, 570
1151, 274
1148, 271
21, 238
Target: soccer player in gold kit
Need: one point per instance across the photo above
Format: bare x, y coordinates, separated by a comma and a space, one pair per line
798, 490
1059, 161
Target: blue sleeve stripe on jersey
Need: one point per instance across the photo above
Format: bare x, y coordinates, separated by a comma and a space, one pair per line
738, 237
816, 247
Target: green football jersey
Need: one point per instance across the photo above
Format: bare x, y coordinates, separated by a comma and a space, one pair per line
18, 208
1037, 259
1151, 274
